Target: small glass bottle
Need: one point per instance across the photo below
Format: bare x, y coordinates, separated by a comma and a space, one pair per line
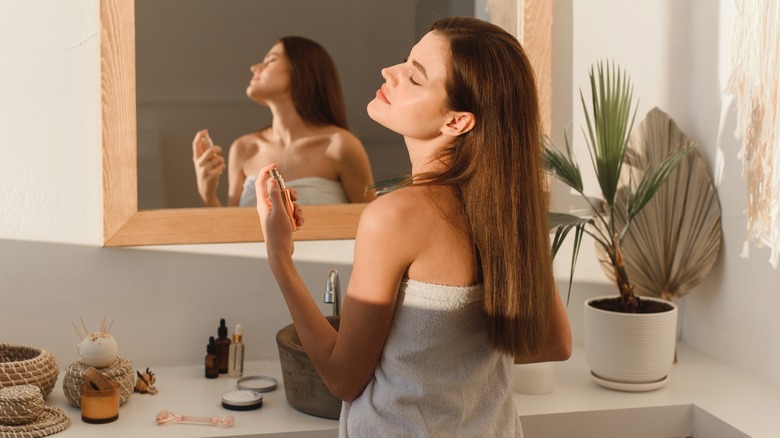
236, 356
212, 371
223, 347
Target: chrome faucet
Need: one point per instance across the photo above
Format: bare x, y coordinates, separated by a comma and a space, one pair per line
332, 291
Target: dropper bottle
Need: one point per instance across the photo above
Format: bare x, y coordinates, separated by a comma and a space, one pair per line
223, 347
236, 356
212, 371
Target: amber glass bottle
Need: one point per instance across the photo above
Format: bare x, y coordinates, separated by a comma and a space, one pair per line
223, 347
212, 371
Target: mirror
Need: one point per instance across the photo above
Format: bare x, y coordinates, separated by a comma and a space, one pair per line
192, 70
124, 224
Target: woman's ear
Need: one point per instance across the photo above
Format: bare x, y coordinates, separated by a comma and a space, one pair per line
459, 123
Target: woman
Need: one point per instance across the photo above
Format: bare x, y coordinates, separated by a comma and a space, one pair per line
452, 279
308, 137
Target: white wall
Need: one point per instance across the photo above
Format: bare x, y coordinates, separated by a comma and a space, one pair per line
49, 119
167, 303
677, 54
733, 314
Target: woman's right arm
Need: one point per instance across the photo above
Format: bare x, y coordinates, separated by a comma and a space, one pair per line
383, 250
209, 165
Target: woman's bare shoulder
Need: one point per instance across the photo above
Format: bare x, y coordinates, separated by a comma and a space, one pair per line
405, 208
393, 224
343, 142
247, 144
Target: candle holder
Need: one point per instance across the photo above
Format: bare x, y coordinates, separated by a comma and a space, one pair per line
99, 406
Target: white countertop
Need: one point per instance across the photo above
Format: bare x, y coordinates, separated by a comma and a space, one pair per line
185, 390
740, 399
744, 401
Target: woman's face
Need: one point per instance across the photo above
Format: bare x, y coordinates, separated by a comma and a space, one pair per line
271, 77
412, 100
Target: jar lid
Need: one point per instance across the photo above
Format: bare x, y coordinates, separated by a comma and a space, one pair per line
242, 400
257, 383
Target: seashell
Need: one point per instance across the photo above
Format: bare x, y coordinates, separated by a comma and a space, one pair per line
145, 382
98, 349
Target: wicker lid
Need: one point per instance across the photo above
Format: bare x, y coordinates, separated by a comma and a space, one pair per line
21, 404
51, 421
23, 414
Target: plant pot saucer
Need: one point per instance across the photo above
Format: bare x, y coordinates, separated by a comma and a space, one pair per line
629, 387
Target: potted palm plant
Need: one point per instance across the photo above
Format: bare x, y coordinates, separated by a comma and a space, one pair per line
629, 341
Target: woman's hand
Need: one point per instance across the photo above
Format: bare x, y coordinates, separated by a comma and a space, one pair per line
209, 165
276, 226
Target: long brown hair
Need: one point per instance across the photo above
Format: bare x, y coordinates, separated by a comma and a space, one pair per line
497, 170
315, 84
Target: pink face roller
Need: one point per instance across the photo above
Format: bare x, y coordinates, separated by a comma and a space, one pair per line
166, 416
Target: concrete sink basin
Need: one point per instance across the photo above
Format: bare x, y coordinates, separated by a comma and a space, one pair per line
303, 386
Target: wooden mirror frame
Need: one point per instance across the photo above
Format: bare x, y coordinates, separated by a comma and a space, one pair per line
124, 225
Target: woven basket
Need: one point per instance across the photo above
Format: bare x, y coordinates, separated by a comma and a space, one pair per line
121, 372
26, 365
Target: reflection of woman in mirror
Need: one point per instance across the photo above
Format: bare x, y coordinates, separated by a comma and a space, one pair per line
452, 279
308, 137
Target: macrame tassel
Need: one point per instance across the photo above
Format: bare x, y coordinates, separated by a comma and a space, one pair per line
755, 74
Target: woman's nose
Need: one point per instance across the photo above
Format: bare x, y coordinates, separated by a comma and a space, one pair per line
254, 68
388, 74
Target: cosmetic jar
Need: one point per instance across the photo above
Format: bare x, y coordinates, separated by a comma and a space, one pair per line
257, 383
99, 406
242, 400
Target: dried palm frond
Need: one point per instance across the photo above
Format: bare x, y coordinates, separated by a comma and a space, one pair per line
675, 240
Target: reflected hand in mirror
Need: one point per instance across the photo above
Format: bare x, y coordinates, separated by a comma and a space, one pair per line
308, 137
209, 166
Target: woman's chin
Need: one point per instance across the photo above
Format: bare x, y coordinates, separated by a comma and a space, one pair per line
374, 111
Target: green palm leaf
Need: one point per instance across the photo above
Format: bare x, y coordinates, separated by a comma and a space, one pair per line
562, 165
653, 179
609, 124
562, 224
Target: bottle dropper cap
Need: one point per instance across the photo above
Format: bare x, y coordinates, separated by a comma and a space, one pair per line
222, 330
211, 348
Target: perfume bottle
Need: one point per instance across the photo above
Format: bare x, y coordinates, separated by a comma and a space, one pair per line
206, 143
236, 356
223, 347
288, 202
212, 371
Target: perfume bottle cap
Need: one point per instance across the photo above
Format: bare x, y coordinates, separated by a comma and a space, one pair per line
237, 334
207, 142
278, 177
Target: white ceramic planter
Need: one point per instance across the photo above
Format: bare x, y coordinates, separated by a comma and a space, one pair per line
632, 352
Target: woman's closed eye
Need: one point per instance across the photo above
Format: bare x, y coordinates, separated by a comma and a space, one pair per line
411, 75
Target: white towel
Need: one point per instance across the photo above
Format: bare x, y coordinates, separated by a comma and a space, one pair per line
438, 374
311, 190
